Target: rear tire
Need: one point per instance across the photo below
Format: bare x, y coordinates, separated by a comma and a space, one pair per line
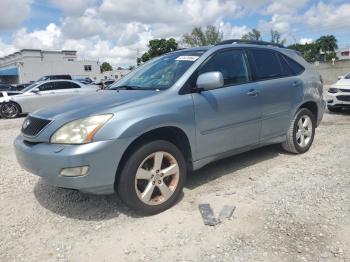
334, 109
301, 132
153, 177
9, 110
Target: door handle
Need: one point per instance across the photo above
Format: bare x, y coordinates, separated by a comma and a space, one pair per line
253, 92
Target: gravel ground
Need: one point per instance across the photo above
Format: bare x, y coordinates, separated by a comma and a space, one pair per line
289, 208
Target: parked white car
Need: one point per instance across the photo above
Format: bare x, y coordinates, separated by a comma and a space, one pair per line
339, 95
39, 95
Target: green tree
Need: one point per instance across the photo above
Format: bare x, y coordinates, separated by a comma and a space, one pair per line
323, 49
327, 43
253, 35
157, 47
199, 37
106, 67
310, 51
276, 37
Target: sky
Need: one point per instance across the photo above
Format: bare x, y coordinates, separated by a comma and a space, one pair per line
118, 30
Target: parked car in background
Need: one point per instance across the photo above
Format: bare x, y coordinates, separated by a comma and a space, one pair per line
85, 80
175, 113
54, 77
339, 95
9, 89
22, 86
6, 87
39, 95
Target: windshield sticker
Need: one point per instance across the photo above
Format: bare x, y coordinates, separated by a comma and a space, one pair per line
187, 58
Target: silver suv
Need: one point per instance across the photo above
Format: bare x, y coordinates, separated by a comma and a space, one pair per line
175, 113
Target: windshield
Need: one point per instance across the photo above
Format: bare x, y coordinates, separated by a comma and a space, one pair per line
348, 76
161, 73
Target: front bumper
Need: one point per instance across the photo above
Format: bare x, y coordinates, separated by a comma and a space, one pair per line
47, 160
340, 99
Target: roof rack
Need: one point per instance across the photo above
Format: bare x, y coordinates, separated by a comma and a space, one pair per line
251, 42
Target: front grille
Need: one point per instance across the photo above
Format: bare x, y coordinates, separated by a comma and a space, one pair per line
33, 125
345, 90
344, 98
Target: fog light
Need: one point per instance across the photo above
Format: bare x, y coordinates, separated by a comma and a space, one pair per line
74, 171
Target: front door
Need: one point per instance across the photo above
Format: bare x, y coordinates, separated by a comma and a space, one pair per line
227, 118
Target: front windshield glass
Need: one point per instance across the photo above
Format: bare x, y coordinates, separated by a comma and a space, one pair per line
160, 73
348, 76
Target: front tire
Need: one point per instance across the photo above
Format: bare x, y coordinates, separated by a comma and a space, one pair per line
153, 177
9, 110
301, 132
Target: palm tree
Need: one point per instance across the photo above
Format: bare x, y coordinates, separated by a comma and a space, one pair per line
327, 43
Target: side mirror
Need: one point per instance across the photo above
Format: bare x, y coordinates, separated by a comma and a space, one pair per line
210, 80
35, 90
340, 77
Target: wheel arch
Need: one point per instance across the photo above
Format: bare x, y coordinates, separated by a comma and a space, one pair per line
312, 106
172, 134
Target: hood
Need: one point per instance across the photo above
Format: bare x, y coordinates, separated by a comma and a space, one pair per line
343, 83
103, 101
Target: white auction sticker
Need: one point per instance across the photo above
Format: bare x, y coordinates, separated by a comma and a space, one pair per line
187, 58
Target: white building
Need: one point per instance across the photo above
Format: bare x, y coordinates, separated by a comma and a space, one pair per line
31, 64
343, 53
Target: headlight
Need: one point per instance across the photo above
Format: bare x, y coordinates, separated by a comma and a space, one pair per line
80, 131
333, 90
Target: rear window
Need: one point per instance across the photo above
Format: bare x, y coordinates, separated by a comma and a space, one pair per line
286, 69
267, 65
296, 67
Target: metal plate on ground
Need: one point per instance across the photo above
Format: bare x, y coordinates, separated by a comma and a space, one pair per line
227, 212
208, 216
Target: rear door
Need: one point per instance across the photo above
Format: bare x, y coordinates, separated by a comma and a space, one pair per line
278, 88
227, 118
66, 90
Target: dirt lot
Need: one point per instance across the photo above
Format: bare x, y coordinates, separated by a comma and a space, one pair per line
289, 208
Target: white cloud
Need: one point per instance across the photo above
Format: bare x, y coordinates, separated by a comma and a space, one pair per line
194, 12
328, 17
304, 41
74, 7
13, 13
233, 32
89, 24
116, 30
281, 23
50, 38
284, 6
6, 49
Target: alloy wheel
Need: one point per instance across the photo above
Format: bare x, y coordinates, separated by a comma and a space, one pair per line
157, 178
304, 131
9, 110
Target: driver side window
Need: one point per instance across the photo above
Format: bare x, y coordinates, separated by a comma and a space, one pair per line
232, 64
